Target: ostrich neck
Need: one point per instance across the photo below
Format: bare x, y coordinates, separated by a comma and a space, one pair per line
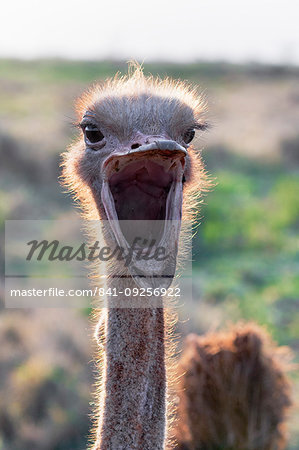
134, 405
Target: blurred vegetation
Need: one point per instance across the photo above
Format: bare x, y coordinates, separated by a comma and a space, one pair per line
246, 257
246, 249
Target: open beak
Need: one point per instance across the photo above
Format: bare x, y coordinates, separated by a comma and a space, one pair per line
142, 197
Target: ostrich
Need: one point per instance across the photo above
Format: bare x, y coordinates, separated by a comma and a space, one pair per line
134, 162
233, 391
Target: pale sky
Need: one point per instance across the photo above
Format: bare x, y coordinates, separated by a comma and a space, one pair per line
186, 30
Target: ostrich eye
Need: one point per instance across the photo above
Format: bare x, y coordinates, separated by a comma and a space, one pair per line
93, 134
188, 136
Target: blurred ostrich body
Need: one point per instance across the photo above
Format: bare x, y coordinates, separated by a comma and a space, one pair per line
151, 122
233, 391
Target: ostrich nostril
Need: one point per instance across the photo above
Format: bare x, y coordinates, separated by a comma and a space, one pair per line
133, 146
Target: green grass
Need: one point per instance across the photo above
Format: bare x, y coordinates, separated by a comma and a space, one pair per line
60, 71
246, 249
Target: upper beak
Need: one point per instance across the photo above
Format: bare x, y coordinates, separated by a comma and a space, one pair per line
164, 147
161, 145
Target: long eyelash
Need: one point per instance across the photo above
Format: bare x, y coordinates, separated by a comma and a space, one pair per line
201, 126
71, 122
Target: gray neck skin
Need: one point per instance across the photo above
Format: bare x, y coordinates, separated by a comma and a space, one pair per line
134, 412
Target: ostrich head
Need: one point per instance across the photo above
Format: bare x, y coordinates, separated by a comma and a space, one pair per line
134, 162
